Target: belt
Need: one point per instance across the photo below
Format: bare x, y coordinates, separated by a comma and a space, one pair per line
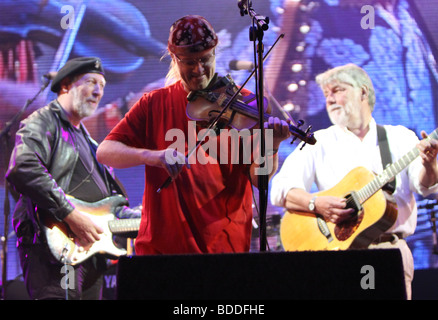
388, 237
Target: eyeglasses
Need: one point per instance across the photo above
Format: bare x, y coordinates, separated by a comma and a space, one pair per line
204, 61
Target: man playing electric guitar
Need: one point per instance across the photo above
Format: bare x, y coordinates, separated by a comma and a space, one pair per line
53, 160
347, 152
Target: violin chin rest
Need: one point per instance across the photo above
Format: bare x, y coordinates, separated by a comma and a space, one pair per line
191, 96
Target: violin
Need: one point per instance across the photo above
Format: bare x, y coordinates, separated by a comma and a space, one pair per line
206, 105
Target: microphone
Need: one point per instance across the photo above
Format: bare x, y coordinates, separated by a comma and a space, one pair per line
51, 75
241, 65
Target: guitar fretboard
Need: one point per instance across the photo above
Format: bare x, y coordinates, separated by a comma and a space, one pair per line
390, 172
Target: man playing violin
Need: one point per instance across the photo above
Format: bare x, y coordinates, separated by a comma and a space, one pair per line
207, 208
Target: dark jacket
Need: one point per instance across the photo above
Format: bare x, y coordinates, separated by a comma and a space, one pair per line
41, 168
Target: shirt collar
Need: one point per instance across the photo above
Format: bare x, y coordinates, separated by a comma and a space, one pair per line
370, 137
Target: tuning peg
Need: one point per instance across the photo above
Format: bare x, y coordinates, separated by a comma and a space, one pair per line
307, 131
298, 124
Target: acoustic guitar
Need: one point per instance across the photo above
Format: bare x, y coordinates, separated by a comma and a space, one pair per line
374, 214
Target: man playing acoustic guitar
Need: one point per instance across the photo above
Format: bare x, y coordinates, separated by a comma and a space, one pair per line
351, 210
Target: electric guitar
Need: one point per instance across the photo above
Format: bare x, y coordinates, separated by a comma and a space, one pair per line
301, 231
61, 239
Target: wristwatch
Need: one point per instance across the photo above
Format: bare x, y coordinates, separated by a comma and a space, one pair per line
312, 204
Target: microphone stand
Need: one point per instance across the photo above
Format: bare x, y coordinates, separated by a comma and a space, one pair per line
4, 137
67, 42
260, 24
434, 233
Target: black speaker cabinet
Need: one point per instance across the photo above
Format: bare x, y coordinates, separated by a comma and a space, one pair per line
353, 274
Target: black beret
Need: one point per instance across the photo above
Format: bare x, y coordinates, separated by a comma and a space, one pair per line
77, 66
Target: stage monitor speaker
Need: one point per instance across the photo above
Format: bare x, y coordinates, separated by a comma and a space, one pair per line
353, 274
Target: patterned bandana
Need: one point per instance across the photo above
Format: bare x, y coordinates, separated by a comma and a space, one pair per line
191, 34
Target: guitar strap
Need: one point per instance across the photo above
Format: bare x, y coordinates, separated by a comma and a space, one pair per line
385, 155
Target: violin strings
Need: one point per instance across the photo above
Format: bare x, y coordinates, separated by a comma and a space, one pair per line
243, 107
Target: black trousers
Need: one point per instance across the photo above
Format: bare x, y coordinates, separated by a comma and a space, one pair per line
47, 279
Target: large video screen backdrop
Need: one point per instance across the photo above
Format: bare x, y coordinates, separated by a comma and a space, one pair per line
397, 48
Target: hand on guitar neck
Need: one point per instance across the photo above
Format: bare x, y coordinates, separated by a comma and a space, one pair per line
86, 232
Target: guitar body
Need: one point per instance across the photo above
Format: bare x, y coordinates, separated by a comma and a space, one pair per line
300, 231
61, 240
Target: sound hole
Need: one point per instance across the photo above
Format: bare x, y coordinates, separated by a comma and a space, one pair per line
345, 229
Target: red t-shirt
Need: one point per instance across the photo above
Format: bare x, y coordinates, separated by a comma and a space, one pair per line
207, 208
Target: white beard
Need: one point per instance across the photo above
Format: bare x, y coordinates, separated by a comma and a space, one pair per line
82, 107
341, 117
346, 116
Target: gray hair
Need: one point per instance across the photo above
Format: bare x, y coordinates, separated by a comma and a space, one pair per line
351, 74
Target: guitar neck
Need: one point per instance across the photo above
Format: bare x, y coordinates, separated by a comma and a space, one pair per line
390, 172
124, 225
